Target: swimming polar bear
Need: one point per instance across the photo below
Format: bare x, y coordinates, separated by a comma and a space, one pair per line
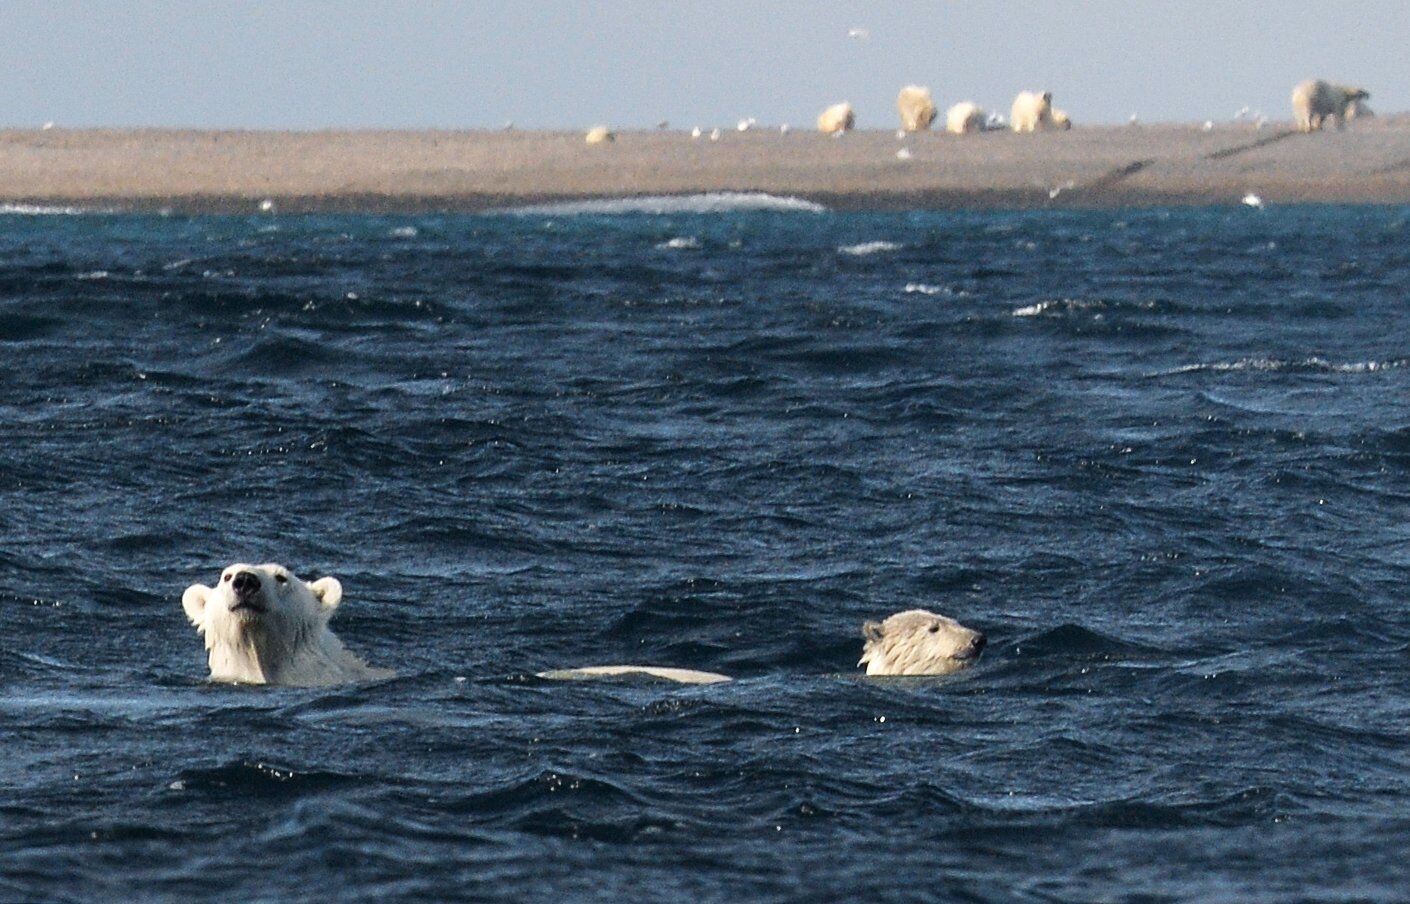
914, 642
919, 642
262, 625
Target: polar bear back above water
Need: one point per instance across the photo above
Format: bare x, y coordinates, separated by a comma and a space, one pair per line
919, 642
1316, 101
262, 625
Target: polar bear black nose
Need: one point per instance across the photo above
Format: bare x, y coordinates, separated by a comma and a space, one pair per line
245, 583
977, 644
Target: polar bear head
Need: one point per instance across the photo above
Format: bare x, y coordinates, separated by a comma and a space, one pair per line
919, 642
259, 621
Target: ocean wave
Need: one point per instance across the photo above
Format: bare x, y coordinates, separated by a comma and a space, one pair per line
708, 202
861, 249
679, 242
1056, 306
1313, 364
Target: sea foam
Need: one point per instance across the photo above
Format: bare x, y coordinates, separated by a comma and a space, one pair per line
710, 202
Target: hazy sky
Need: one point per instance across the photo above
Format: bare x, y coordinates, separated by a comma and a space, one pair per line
629, 63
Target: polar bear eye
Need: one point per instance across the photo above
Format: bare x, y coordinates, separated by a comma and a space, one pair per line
225, 577
281, 578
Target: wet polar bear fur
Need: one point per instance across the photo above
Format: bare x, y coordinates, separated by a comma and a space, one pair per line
915, 642
919, 642
1316, 101
262, 625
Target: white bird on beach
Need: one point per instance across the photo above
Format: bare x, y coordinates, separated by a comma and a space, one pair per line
1133, 120
695, 132
47, 126
1208, 125
715, 134
903, 154
900, 134
267, 205
858, 34
745, 125
783, 129
1253, 200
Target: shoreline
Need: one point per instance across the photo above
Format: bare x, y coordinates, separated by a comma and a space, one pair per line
424, 172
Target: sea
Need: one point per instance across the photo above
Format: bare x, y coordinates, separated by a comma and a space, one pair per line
1161, 457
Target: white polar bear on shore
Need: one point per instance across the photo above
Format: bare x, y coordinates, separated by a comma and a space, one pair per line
1061, 121
837, 118
1032, 111
262, 625
1315, 101
965, 117
919, 642
916, 107
914, 642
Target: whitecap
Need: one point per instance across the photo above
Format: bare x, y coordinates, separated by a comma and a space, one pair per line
680, 241
709, 202
916, 288
92, 274
1056, 306
404, 232
864, 248
32, 210
1276, 364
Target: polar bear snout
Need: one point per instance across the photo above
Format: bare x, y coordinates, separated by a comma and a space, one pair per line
975, 647
247, 587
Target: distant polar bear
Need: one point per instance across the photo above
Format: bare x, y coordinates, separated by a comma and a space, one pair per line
1031, 111
965, 117
837, 118
1316, 101
1061, 120
919, 642
916, 108
262, 625
600, 135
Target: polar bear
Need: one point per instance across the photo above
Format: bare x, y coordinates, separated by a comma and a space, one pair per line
600, 135
837, 118
919, 642
916, 108
1315, 101
965, 117
262, 625
914, 642
1061, 120
1031, 111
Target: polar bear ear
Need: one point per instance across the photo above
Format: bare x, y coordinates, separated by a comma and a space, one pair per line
194, 602
328, 592
872, 630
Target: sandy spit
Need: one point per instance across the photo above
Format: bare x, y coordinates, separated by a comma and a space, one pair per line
424, 171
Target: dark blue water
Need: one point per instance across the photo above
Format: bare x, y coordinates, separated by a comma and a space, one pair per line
1161, 458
